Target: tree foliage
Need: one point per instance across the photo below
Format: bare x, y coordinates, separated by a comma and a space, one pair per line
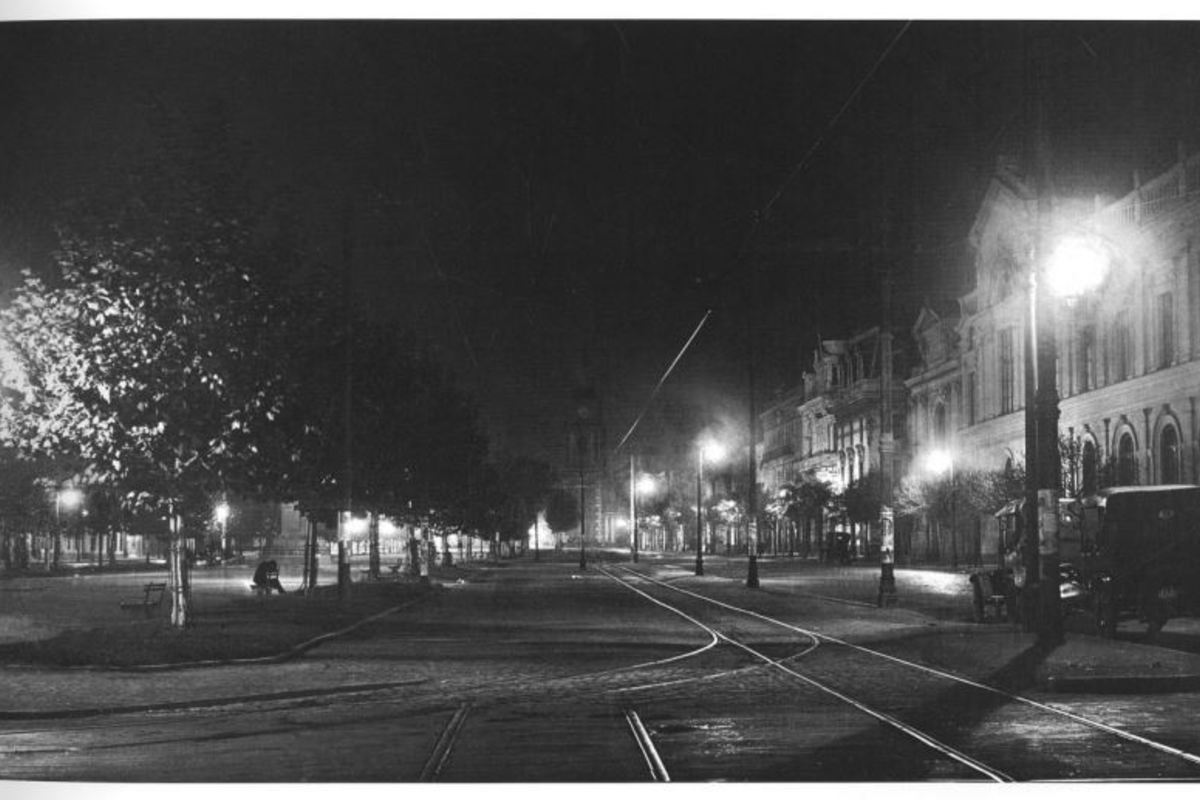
968, 492
562, 510
523, 487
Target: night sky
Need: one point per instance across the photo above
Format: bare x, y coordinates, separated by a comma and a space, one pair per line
548, 201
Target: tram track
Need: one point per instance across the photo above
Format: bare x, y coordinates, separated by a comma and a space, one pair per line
951, 730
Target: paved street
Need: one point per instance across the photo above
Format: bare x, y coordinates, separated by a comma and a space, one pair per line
542, 672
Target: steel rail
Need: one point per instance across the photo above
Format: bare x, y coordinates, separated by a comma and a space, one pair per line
903, 727
444, 744
658, 772
1052, 709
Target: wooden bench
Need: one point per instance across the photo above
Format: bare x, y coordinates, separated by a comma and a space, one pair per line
992, 591
150, 601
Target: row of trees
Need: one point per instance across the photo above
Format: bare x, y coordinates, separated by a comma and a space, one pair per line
171, 352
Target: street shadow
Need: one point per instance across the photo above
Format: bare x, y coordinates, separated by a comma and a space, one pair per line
951, 716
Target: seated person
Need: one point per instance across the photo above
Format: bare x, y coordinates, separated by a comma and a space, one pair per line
266, 577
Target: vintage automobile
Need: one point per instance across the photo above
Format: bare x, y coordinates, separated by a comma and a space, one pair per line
1139, 554
998, 589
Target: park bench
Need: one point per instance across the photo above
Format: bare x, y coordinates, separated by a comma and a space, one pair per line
150, 601
992, 590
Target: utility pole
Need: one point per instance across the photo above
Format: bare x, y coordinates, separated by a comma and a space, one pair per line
887, 449
752, 471
1040, 599
582, 517
633, 524
347, 414
1050, 631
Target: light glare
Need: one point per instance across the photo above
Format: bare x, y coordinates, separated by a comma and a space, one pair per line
69, 498
939, 462
712, 451
1076, 266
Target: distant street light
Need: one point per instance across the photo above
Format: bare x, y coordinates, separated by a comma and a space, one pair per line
644, 485
941, 462
221, 512
68, 499
707, 451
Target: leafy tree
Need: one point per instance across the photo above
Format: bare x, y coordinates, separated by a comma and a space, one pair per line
863, 499
25, 506
562, 510
147, 352
524, 486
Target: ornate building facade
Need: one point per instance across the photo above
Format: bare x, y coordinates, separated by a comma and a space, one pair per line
1128, 353
828, 429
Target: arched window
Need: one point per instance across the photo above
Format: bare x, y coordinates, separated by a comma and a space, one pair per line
1168, 448
1090, 470
1126, 461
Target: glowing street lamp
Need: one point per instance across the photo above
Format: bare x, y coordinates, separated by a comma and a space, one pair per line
1075, 264
712, 451
68, 499
644, 485
941, 462
221, 513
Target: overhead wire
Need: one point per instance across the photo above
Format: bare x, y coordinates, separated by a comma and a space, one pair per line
760, 215
663, 380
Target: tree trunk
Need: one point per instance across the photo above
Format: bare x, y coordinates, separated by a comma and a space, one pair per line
373, 544
180, 617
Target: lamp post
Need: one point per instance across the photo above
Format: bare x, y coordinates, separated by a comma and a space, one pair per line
1074, 265
222, 515
711, 451
633, 531
68, 499
582, 517
645, 485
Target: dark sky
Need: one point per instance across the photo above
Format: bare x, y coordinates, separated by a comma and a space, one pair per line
546, 200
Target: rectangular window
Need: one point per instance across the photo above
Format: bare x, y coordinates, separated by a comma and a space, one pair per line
970, 398
1166, 329
1086, 365
1122, 347
1008, 372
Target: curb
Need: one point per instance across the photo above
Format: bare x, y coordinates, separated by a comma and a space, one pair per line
1121, 684
278, 658
75, 713
181, 704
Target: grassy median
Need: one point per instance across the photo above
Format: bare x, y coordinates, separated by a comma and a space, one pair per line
250, 628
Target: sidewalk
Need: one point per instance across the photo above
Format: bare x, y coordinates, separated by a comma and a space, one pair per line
997, 653
941, 600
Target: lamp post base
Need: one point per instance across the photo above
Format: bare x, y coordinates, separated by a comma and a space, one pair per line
887, 586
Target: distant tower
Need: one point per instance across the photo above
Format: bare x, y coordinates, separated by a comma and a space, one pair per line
585, 457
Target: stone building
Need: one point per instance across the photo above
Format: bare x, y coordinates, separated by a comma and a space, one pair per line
828, 429
1128, 352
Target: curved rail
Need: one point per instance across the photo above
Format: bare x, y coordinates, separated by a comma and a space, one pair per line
1051, 709
898, 725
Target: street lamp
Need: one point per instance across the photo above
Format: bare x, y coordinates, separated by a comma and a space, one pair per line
221, 512
707, 451
68, 499
941, 462
644, 485
1075, 264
